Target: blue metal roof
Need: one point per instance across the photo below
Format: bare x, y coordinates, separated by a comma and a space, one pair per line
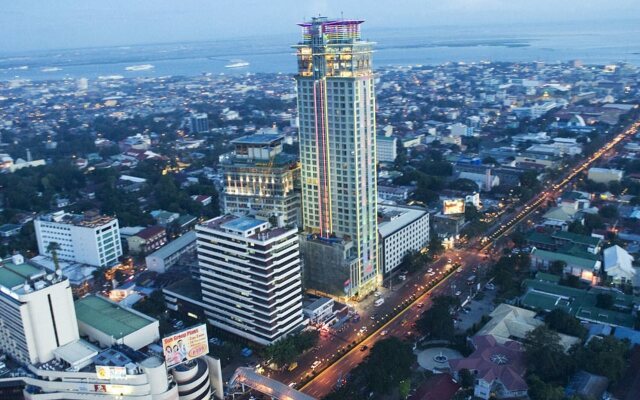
242, 224
261, 138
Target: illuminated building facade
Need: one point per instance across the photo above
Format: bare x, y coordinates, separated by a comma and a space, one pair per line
336, 107
250, 277
261, 179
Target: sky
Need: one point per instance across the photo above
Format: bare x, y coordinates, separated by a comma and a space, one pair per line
27, 25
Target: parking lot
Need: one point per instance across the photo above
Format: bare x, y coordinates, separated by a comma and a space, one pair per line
474, 310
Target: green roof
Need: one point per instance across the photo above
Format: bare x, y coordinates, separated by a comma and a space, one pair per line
543, 276
577, 238
12, 275
578, 250
109, 317
569, 259
537, 237
544, 295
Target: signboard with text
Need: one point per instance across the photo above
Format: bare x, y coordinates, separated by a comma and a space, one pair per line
454, 206
108, 373
185, 346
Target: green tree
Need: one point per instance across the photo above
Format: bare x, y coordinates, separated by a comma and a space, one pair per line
540, 390
604, 300
561, 321
389, 363
466, 378
437, 322
606, 357
608, 212
53, 248
545, 356
404, 388
557, 267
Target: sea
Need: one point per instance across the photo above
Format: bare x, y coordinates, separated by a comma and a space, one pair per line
595, 43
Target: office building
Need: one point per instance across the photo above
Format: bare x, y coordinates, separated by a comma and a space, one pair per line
250, 277
90, 238
199, 123
260, 179
387, 149
402, 230
31, 327
336, 107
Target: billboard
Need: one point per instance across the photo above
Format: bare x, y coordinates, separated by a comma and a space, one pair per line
107, 372
185, 346
453, 206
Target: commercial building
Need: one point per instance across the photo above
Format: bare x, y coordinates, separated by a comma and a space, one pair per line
319, 311
336, 107
31, 327
94, 349
402, 230
167, 256
387, 149
90, 238
250, 277
260, 178
605, 175
109, 323
199, 123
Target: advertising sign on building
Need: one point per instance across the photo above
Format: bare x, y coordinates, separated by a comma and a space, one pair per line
185, 346
454, 206
108, 373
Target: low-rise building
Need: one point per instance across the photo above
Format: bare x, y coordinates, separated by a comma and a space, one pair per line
605, 175
319, 311
147, 240
166, 256
498, 368
402, 230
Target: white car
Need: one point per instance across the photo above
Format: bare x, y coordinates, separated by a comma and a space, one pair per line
458, 293
377, 294
315, 364
384, 333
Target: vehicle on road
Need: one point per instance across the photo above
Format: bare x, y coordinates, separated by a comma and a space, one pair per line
384, 333
364, 347
379, 302
490, 286
315, 364
458, 293
377, 294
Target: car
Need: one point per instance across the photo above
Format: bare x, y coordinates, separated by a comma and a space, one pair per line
420, 305
373, 317
364, 347
384, 332
458, 293
430, 270
377, 294
432, 273
402, 277
489, 286
363, 329
315, 364
292, 385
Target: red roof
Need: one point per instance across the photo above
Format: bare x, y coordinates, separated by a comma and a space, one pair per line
150, 232
494, 361
437, 387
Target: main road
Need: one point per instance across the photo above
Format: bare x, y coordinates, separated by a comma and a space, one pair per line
411, 298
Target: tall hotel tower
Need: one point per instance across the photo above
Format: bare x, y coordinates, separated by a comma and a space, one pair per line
336, 106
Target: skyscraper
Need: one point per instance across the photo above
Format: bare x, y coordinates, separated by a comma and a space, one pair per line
336, 106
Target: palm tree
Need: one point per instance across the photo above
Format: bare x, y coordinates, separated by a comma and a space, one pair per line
53, 248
